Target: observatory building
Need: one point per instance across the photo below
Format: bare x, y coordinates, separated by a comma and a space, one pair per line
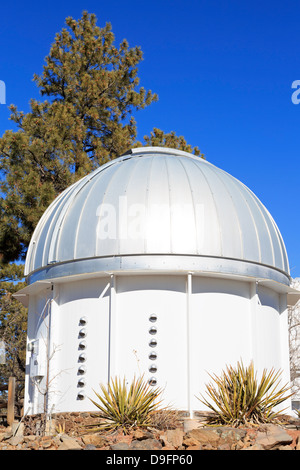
158, 264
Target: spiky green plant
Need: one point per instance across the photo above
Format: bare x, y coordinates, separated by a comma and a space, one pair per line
126, 406
239, 398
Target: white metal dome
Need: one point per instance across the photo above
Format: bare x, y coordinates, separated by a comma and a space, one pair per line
161, 209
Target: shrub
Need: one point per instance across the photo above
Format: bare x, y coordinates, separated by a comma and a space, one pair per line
165, 418
238, 398
125, 407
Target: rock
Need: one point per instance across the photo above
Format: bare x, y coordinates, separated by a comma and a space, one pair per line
202, 436
29, 438
140, 434
15, 440
238, 445
254, 447
94, 440
190, 441
7, 435
120, 446
17, 428
46, 442
172, 437
273, 437
198, 447
69, 443
146, 444
189, 424
229, 433
224, 447
32, 445
298, 444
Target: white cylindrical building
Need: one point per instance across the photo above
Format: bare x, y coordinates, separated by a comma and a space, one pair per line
157, 264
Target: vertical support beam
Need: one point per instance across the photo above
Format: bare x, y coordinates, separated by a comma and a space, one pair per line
50, 351
112, 329
188, 340
11, 400
284, 348
253, 320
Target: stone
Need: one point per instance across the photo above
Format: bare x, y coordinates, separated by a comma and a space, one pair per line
254, 447
29, 438
15, 440
190, 441
224, 446
94, 439
172, 437
140, 434
32, 445
146, 444
17, 428
120, 446
69, 443
230, 434
189, 424
238, 446
46, 443
204, 436
7, 435
272, 437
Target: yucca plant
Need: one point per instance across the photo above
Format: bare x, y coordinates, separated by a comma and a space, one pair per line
238, 398
123, 406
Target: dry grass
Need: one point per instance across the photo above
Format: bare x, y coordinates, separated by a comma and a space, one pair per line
165, 418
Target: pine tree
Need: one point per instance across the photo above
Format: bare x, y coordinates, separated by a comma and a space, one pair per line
90, 89
159, 138
13, 326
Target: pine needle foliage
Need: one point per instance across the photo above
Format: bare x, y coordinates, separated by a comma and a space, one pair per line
90, 90
126, 406
237, 397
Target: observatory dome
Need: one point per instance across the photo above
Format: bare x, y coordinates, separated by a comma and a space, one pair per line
157, 209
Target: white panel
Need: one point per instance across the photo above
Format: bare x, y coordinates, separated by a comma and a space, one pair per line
36, 355
89, 299
158, 230
137, 299
207, 223
268, 330
182, 209
133, 210
220, 327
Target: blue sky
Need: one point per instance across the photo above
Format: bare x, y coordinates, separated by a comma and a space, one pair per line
223, 71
